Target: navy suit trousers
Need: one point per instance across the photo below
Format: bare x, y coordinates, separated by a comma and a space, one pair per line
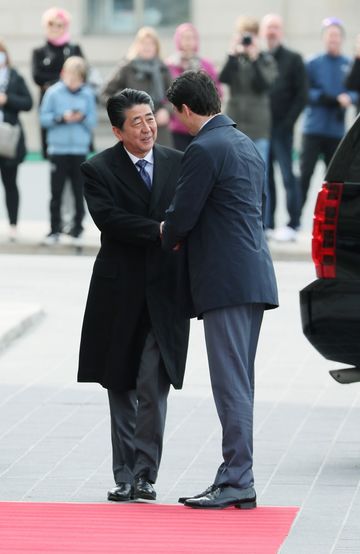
231, 336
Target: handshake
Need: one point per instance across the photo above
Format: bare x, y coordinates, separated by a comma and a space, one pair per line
177, 245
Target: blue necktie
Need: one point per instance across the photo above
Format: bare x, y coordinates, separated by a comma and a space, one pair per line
141, 164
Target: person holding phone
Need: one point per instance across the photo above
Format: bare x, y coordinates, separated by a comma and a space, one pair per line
68, 112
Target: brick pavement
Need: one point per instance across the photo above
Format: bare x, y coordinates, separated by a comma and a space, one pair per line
54, 433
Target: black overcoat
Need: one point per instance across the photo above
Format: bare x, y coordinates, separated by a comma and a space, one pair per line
18, 100
47, 63
134, 282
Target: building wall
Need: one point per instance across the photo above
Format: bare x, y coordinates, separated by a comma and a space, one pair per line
20, 27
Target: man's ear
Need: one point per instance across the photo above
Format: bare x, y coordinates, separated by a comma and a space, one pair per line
185, 109
117, 132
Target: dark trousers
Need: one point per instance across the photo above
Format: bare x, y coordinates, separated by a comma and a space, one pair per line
8, 177
63, 167
281, 147
43, 139
231, 336
138, 419
312, 147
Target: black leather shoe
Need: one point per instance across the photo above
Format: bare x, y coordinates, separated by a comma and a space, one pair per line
224, 497
121, 493
143, 489
203, 493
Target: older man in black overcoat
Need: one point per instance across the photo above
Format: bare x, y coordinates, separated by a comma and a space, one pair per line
136, 324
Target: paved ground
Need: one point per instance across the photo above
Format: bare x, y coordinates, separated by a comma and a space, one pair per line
54, 433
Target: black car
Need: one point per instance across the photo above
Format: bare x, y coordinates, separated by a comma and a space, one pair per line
330, 306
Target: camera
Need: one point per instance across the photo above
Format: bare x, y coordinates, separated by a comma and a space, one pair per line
246, 39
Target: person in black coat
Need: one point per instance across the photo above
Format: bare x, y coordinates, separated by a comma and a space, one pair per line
136, 323
48, 60
288, 97
217, 216
14, 98
353, 79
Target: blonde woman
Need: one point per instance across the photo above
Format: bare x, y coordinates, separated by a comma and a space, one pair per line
144, 70
48, 60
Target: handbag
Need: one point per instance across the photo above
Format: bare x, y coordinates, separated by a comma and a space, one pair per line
9, 139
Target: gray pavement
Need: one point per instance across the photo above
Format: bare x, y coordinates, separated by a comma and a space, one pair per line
54, 433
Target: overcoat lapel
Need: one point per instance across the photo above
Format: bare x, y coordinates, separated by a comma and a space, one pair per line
127, 173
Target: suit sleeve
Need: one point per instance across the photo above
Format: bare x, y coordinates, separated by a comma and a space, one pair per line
115, 222
196, 181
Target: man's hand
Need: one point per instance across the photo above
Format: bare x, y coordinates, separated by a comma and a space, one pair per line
344, 100
73, 117
177, 245
3, 98
162, 117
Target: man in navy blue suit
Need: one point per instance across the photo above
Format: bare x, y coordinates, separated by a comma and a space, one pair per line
217, 214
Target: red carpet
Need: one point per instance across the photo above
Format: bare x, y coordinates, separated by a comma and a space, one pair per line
140, 528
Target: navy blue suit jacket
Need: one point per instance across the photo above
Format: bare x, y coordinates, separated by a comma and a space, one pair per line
218, 208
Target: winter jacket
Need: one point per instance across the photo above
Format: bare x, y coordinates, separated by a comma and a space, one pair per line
62, 137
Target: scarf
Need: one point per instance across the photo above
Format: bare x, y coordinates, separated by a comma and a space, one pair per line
60, 41
151, 69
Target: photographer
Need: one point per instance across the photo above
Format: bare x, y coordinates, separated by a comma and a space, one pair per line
249, 73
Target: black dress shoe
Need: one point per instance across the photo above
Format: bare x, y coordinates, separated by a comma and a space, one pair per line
143, 489
224, 497
121, 493
203, 493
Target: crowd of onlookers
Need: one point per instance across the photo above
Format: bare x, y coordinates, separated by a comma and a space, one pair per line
268, 88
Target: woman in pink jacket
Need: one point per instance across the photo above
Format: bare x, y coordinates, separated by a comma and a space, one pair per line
186, 57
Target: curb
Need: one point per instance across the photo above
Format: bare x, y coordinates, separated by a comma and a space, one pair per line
23, 316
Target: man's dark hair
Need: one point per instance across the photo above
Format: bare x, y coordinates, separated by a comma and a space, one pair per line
124, 100
197, 90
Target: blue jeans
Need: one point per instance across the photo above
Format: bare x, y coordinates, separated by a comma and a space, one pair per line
281, 147
263, 146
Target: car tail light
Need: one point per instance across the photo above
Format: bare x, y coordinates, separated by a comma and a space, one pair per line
324, 230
